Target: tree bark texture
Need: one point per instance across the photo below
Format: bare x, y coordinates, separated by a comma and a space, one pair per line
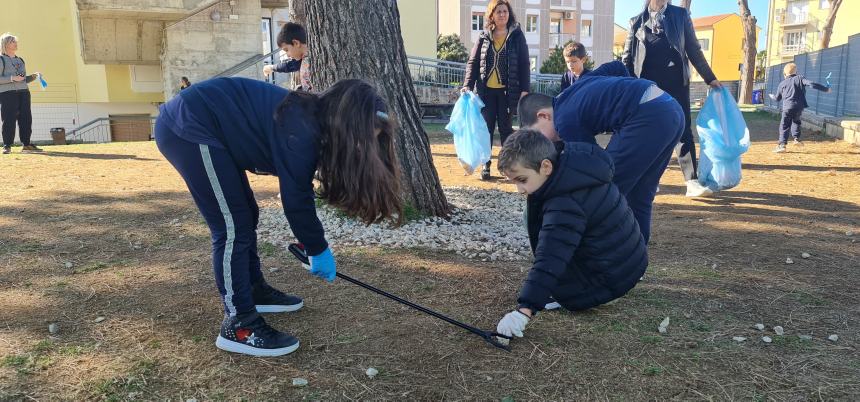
827, 31
749, 48
362, 39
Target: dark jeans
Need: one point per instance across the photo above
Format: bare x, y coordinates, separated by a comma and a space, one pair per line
790, 122
15, 107
496, 112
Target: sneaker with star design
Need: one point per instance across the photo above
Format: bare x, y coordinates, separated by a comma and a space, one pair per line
250, 334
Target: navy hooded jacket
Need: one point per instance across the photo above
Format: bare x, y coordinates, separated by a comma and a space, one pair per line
581, 229
238, 115
599, 101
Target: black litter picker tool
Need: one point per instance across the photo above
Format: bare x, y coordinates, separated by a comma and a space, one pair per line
489, 336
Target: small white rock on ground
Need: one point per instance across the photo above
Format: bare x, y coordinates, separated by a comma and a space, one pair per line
778, 330
664, 325
759, 327
833, 338
299, 382
766, 339
486, 225
739, 338
371, 372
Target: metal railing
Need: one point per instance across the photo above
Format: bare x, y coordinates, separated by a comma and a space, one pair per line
425, 72
791, 50
253, 68
107, 129
798, 19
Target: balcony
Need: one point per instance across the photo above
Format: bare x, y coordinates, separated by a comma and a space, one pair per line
797, 19
792, 50
559, 39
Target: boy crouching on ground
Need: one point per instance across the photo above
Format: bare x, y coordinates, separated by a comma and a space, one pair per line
586, 243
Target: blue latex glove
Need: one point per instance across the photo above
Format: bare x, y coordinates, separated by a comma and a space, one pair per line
324, 266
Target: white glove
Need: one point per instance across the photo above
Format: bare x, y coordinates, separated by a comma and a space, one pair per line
771, 96
512, 324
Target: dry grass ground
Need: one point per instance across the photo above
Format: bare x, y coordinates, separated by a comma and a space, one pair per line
90, 231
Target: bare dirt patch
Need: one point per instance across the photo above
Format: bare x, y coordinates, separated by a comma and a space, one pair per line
110, 231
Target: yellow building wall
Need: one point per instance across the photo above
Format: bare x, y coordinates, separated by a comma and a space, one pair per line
704, 33
844, 26
725, 50
418, 26
49, 41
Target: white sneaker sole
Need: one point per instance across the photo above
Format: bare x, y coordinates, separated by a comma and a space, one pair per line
552, 306
278, 308
705, 192
236, 347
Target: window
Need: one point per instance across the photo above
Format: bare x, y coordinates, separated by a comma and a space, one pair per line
477, 21
533, 63
823, 4
554, 25
704, 43
586, 28
531, 23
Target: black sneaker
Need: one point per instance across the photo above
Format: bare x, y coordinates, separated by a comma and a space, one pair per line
485, 174
249, 334
271, 300
7, 149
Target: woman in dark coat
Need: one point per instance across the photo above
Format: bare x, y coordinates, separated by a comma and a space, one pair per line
498, 69
660, 47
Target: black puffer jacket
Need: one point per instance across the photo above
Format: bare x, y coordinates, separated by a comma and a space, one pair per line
513, 65
581, 231
679, 32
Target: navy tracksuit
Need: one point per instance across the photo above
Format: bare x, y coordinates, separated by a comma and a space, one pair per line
645, 134
587, 246
212, 133
792, 93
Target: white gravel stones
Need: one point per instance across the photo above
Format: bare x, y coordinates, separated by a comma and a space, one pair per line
371, 372
486, 225
806, 255
778, 330
68, 264
805, 337
739, 338
833, 338
789, 260
766, 339
759, 327
299, 382
273, 269
99, 319
53, 328
662, 328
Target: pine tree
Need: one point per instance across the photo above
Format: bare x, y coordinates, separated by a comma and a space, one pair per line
554, 64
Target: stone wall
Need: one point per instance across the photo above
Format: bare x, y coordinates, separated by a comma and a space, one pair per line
209, 42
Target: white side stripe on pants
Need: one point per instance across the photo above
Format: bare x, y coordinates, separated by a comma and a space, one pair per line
228, 222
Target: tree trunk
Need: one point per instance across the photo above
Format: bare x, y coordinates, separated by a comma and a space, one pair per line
748, 72
298, 14
362, 39
828, 24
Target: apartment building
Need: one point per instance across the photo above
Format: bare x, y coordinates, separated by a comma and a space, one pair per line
794, 26
545, 23
721, 38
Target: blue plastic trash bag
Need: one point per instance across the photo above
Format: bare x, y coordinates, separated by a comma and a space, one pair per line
723, 138
471, 136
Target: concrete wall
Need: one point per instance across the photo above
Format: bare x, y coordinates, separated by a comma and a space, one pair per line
198, 47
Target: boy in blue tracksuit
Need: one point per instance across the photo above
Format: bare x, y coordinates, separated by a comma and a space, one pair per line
215, 131
647, 124
792, 93
587, 246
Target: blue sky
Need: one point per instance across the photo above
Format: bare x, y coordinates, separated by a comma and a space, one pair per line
624, 9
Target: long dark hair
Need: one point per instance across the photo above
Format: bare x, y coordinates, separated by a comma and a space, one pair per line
357, 169
491, 8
